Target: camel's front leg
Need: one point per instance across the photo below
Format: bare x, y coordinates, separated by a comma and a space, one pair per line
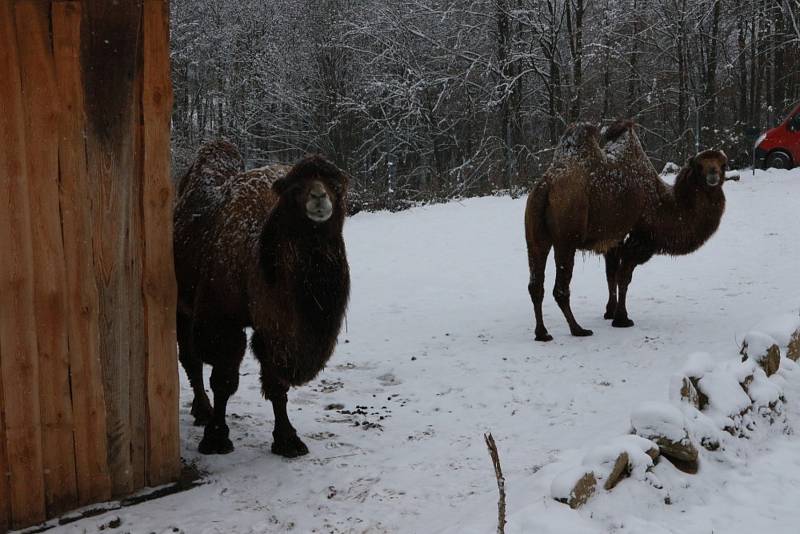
633, 253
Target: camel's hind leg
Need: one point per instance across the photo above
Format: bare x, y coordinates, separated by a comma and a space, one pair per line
565, 261
537, 260
201, 406
222, 344
612, 258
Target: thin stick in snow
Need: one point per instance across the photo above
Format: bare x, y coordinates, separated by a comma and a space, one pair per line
501, 483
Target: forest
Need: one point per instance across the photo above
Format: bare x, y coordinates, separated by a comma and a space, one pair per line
426, 100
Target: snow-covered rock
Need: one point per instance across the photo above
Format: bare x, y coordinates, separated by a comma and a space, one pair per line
665, 424
682, 389
624, 456
658, 419
702, 429
574, 487
781, 327
793, 348
727, 398
763, 349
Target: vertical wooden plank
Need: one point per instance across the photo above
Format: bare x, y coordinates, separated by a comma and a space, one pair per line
109, 52
41, 136
19, 366
5, 510
88, 401
138, 360
160, 290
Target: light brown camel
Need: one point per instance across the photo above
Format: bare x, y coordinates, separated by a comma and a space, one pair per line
611, 201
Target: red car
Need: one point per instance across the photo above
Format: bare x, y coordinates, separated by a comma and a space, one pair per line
780, 147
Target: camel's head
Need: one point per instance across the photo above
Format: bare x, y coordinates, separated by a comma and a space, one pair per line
316, 188
708, 168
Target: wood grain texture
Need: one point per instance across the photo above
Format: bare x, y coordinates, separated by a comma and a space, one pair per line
5, 474
138, 356
19, 366
88, 399
160, 289
109, 51
41, 135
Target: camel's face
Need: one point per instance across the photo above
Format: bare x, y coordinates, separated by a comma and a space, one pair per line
710, 168
314, 189
313, 197
318, 201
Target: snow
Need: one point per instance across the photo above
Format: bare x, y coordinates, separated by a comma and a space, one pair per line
780, 328
698, 365
764, 391
654, 418
726, 396
564, 484
756, 344
601, 460
439, 348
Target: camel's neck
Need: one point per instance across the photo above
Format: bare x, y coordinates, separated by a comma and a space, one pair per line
304, 272
291, 246
686, 218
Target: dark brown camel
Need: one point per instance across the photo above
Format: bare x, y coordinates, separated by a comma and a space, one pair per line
260, 249
611, 201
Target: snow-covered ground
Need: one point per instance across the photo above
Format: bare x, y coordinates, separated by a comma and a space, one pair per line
439, 349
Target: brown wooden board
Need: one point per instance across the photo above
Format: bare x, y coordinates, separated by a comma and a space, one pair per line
160, 290
19, 365
41, 130
5, 509
138, 357
109, 49
88, 402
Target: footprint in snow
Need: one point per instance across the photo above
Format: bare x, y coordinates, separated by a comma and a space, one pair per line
389, 379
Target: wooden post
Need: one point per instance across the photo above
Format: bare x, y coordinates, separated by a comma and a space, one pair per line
160, 289
88, 399
41, 136
138, 354
5, 509
88, 373
20, 365
109, 52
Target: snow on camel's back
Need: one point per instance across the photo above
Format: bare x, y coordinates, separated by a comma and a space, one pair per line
611, 201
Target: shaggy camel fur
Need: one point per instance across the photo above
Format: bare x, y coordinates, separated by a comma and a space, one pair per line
260, 249
611, 201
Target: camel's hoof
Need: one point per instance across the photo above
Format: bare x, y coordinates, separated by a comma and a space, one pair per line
289, 447
608, 315
202, 413
622, 323
215, 441
543, 336
582, 332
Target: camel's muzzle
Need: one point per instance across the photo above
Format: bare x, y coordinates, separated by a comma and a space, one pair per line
713, 180
319, 207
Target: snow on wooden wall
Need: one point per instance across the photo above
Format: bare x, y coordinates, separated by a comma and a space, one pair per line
88, 369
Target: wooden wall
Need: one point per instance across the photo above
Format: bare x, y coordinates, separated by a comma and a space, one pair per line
88, 367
